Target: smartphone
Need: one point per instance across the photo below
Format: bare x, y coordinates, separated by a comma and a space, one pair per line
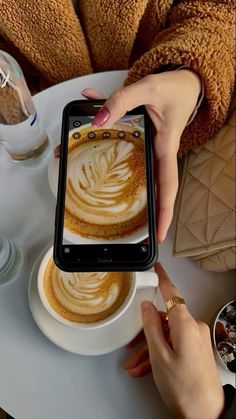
105, 214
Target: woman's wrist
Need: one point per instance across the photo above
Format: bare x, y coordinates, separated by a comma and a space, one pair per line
194, 78
199, 81
206, 410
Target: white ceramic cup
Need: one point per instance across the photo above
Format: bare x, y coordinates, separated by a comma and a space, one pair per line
140, 280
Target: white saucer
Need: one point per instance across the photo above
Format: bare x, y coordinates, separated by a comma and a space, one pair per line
85, 342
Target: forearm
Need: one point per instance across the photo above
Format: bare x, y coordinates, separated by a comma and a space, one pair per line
200, 36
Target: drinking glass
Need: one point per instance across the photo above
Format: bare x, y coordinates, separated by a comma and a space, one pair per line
11, 259
21, 133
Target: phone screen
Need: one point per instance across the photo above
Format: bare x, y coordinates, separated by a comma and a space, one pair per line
106, 211
106, 182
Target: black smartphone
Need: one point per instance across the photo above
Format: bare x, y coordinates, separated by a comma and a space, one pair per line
105, 215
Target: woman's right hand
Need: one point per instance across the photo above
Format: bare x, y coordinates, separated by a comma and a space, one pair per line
182, 363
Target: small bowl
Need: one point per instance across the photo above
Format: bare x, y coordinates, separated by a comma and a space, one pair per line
224, 336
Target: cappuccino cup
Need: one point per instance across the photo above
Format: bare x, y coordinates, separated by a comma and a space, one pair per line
88, 300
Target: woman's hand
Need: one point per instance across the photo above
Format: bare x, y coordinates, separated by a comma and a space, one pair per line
170, 98
182, 360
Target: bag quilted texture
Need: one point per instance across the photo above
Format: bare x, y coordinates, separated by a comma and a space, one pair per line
205, 210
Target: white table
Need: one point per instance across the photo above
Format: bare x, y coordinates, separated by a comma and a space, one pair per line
38, 379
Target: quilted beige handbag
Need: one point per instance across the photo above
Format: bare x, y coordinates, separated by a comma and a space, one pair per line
205, 210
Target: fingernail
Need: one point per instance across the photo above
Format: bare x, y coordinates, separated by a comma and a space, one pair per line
101, 117
56, 154
85, 95
160, 239
146, 305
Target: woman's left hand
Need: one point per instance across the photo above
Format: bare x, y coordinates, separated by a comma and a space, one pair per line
170, 98
139, 363
180, 355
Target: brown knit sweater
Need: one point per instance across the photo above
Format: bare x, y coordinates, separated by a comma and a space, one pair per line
52, 43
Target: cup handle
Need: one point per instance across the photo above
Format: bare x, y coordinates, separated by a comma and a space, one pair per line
146, 279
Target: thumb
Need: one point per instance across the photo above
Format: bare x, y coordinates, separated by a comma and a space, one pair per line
167, 182
120, 102
152, 326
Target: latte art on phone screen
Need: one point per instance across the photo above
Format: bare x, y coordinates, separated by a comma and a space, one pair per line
85, 297
106, 185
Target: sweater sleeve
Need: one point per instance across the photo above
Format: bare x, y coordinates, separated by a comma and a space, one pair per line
230, 402
200, 35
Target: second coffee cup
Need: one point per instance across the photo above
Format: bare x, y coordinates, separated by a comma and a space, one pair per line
88, 300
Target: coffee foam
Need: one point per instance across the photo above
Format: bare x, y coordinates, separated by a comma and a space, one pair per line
85, 297
105, 194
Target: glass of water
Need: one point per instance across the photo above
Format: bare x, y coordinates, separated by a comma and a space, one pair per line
20, 131
11, 260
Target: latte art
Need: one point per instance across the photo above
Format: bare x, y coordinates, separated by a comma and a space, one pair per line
106, 190
85, 297
85, 293
96, 183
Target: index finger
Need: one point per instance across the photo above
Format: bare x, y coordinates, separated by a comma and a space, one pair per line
167, 288
167, 182
169, 291
122, 101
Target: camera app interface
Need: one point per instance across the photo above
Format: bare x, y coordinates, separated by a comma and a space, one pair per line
106, 191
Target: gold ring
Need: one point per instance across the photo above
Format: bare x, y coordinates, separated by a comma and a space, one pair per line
176, 301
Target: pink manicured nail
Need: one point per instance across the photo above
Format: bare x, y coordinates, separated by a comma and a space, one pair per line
85, 95
101, 117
